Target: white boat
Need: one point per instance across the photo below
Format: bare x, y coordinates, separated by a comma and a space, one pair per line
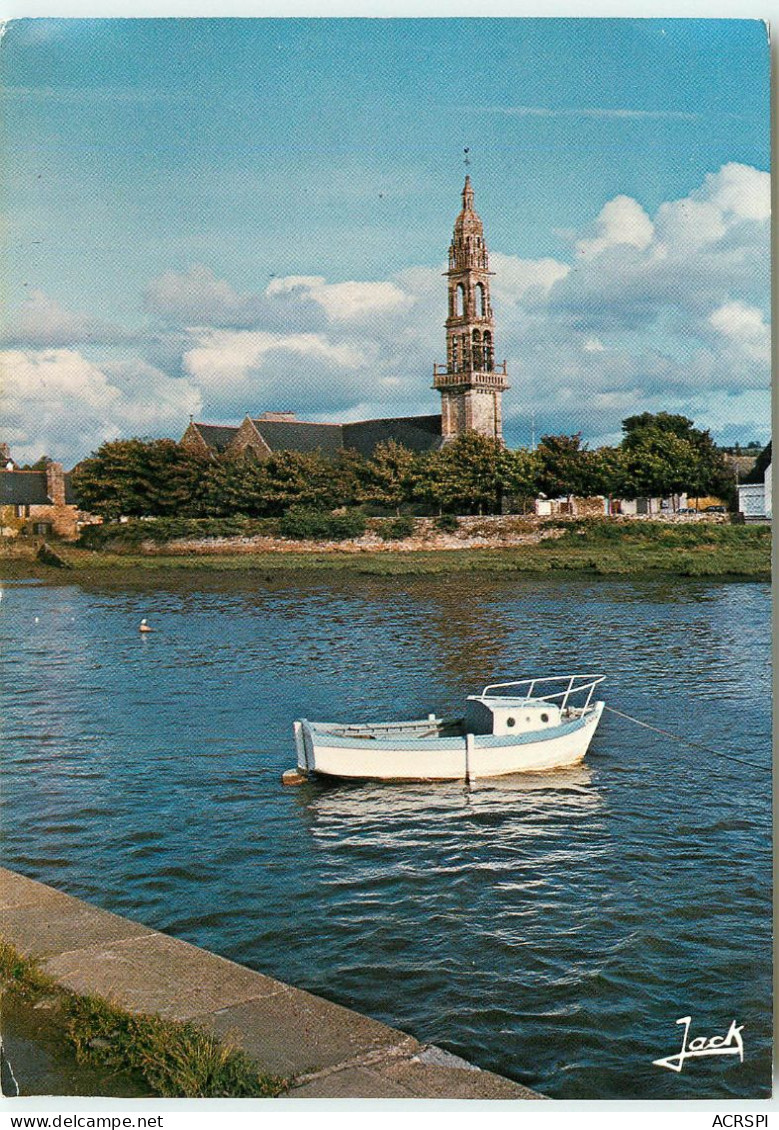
520, 727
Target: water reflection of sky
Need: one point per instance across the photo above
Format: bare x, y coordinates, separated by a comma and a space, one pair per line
552, 928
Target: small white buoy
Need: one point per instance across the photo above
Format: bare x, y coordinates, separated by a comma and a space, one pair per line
144, 627
293, 777
37, 620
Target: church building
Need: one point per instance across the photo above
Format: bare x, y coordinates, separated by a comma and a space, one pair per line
471, 385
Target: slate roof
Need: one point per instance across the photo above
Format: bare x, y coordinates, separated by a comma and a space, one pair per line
216, 436
23, 488
418, 433
298, 435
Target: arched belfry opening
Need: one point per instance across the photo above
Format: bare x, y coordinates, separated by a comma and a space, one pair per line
471, 384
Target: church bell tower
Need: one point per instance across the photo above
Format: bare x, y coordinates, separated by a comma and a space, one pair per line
471, 385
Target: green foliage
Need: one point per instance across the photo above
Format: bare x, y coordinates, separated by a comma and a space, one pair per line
520, 470
319, 525
136, 478
660, 454
268, 487
666, 455
757, 474
395, 529
566, 466
449, 523
39, 465
176, 1059
467, 476
389, 475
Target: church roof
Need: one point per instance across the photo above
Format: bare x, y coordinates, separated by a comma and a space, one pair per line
215, 435
300, 435
418, 433
468, 223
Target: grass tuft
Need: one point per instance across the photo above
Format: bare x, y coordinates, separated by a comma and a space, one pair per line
23, 975
175, 1059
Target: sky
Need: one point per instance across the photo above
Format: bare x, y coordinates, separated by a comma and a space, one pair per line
222, 217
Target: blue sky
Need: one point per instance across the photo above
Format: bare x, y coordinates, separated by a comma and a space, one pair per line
226, 216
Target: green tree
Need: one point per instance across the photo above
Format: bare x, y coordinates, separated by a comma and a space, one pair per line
139, 478
757, 473
465, 476
520, 470
609, 470
389, 475
666, 454
567, 467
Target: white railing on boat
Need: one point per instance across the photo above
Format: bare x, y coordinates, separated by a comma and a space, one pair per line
572, 685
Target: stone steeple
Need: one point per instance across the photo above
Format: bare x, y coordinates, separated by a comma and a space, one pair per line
471, 385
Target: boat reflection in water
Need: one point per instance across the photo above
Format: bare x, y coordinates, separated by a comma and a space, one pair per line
528, 797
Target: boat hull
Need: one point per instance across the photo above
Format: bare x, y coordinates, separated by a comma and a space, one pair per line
326, 750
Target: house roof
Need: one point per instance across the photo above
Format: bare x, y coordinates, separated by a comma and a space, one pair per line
23, 488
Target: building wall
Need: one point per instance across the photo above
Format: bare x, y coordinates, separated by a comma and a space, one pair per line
752, 500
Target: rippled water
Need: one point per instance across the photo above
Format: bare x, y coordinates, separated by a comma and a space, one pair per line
552, 928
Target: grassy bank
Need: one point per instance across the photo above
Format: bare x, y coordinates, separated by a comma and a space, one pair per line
169, 1058
593, 546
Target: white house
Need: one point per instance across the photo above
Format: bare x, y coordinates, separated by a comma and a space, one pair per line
754, 499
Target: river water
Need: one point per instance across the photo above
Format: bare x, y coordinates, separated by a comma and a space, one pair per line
552, 928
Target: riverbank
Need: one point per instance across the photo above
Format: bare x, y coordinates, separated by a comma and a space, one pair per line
130, 997
498, 545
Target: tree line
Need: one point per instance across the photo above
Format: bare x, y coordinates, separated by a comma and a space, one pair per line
659, 455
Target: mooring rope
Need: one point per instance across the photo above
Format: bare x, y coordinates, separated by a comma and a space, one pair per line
686, 741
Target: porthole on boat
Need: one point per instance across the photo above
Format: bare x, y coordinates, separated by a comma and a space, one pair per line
544, 717
511, 721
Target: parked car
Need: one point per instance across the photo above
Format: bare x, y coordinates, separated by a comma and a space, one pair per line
715, 510
686, 510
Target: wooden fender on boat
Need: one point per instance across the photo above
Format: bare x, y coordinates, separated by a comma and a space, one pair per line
293, 777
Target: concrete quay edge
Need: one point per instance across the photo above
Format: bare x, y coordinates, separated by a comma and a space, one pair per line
329, 1051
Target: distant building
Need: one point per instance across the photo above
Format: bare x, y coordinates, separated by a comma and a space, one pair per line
38, 502
471, 385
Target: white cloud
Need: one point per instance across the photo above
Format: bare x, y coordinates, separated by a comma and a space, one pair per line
292, 284
662, 311
745, 323
622, 221
41, 322
349, 301
198, 297
355, 301
517, 279
56, 402
738, 190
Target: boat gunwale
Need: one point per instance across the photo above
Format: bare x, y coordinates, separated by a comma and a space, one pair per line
331, 734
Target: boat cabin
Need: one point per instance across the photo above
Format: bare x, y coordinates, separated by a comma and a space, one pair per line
503, 715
